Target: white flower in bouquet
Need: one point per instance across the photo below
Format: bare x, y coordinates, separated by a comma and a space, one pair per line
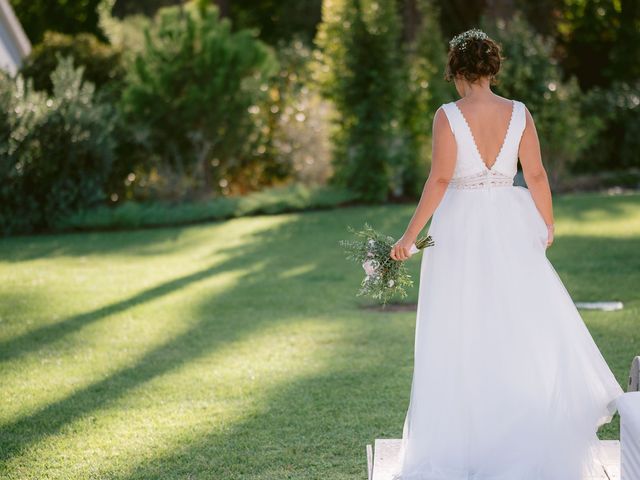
370, 267
385, 277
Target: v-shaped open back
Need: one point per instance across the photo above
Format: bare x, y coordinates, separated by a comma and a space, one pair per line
473, 138
469, 161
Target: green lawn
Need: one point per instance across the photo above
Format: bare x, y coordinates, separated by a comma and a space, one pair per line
237, 350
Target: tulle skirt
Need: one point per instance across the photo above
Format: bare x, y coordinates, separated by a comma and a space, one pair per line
508, 383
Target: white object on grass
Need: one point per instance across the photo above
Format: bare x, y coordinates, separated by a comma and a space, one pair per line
604, 306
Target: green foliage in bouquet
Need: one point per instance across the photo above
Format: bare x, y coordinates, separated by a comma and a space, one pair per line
385, 277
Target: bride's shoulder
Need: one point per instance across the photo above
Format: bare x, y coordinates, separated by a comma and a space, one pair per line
445, 108
520, 108
524, 113
442, 118
522, 105
518, 102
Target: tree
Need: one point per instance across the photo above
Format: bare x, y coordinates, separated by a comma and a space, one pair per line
193, 90
277, 19
424, 91
359, 70
123, 8
601, 41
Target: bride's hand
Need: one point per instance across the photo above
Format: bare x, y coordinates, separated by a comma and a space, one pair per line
550, 234
400, 249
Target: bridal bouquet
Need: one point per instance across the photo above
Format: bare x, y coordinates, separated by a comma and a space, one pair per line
385, 277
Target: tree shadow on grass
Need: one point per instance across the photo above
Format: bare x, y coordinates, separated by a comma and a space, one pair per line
263, 254
313, 427
276, 249
40, 337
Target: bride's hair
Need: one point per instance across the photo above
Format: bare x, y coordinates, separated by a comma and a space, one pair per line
472, 55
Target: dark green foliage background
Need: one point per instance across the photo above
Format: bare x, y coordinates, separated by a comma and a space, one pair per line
203, 105
66, 16
102, 63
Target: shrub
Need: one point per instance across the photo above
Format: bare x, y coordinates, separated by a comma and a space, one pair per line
102, 63
192, 92
273, 200
56, 150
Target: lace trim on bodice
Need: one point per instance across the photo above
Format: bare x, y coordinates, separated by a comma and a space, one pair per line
484, 179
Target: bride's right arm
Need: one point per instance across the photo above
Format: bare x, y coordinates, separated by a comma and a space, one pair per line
443, 162
535, 174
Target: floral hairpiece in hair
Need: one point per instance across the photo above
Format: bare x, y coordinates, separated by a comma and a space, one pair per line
460, 41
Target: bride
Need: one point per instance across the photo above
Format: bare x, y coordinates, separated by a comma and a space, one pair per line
508, 383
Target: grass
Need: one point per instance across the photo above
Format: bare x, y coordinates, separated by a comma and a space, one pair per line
237, 350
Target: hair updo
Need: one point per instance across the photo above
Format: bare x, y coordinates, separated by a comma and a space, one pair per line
472, 55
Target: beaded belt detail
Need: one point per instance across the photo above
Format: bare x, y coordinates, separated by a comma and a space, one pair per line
485, 179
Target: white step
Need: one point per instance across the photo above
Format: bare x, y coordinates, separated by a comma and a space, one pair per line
386, 457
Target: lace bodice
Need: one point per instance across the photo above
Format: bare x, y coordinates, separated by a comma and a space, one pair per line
471, 171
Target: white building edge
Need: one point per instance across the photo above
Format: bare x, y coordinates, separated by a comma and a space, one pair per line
14, 44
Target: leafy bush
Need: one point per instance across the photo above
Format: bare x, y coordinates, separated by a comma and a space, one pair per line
192, 92
532, 75
102, 63
153, 214
55, 151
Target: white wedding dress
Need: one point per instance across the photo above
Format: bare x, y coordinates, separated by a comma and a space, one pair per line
508, 383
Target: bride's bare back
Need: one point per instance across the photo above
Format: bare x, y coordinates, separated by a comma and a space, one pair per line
488, 120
